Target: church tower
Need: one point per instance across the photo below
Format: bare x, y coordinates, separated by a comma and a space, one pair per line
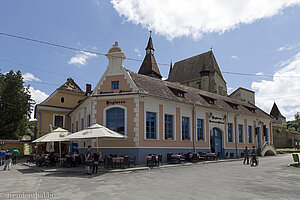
149, 66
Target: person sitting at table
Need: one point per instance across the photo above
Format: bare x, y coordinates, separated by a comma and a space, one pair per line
96, 158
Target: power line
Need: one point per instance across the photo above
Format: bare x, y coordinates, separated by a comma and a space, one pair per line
36, 68
67, 47
132, 59
258, 75
284, 97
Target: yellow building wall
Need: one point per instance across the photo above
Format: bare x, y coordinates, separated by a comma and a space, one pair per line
70, 99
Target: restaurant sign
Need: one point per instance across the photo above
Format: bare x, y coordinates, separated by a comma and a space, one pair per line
114, 102
217, 120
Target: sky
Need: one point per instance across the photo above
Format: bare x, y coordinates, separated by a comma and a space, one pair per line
257, 40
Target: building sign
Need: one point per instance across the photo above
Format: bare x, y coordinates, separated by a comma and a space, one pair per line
112, 92
114, 102
216, 120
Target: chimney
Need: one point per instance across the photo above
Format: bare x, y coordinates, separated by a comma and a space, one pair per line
88, 89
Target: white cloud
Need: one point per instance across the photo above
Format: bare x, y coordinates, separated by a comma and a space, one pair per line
81, 58
27, 77
136, 50
38, 96
177, 18
97, 2
235, 57
229, 90
288, 47
284, 89
259, 74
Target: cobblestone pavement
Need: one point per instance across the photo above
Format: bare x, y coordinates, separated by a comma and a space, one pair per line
272, 179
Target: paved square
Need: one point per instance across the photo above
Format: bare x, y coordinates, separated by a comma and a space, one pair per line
272, 179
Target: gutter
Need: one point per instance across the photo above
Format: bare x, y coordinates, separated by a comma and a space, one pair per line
235, 131
194, 128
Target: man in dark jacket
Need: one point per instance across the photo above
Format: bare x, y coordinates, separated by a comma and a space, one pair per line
246, 155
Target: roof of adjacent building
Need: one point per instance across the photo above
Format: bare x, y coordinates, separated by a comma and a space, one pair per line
275, 111
165, 89
70, 86
149, 65
190, 68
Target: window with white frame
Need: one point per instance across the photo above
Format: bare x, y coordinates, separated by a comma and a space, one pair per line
200, 129
58, 121
241, 135
169, 127
115, 119
185, 128
250, 135
88, 121
230, 132
150, 125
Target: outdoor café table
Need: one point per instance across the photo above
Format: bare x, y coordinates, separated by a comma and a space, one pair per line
177, 156
191, 155
211, 155
150, 157
62, 161
118, 160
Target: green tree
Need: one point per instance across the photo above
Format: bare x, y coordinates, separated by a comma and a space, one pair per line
15, 104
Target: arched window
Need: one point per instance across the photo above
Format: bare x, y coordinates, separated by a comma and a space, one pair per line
115, 119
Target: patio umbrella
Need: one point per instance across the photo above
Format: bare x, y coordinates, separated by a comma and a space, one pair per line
57, 135
95, 131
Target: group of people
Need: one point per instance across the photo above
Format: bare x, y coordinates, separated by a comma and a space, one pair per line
253, 155
92, 160
9, 157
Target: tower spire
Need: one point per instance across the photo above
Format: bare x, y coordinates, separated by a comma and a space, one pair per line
149, 66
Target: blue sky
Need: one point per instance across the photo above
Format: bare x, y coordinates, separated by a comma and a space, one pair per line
255, 37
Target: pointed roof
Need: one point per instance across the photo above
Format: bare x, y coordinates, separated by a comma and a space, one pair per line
190, 68
149, 66
150, 44
70, 86
275, 111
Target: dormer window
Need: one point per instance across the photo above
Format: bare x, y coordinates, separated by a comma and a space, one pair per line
115, 85
209, 100
177, 92
233, 105
250, 109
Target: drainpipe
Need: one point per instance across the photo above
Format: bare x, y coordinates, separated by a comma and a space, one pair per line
235, 135
194, 128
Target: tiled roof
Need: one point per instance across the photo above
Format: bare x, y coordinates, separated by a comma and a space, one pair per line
169, 90
70, 86
190, 68
275, 111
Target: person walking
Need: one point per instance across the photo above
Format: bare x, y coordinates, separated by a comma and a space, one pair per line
7, 163
2, 155
15, 154
246, 155
88, 161
96, 158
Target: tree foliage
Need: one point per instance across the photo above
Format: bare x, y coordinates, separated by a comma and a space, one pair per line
15, 104
295, 124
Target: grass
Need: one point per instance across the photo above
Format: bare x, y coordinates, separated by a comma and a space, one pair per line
295, 165
288, 149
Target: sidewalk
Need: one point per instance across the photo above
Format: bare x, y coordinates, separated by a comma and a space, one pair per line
131, 169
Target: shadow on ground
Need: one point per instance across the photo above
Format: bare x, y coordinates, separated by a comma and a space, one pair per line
74, 174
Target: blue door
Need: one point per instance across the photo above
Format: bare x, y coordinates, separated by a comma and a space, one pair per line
216, 142
258, 137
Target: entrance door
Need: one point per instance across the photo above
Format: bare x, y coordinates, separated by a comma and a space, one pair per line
216, 142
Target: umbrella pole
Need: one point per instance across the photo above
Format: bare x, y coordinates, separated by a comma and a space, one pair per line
59, 144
